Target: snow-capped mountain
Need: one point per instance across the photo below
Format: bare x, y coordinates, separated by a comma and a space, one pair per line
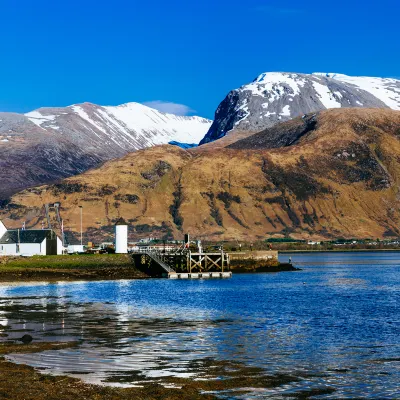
49, 144
118, 130
274, 97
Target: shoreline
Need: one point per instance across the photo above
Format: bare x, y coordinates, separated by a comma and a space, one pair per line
60, 275
340, 251
69, 268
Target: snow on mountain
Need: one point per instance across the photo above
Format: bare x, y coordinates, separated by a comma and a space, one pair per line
125, 128
384, 89
49, 144
276, 96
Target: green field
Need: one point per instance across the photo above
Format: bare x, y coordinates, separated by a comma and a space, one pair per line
69, 267
66, 261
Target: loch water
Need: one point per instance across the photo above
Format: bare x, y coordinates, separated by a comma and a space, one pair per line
334, 326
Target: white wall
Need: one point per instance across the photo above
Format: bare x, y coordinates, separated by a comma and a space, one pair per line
8, 249
25, 249
3, 229
60, 247
76, 248
32, 249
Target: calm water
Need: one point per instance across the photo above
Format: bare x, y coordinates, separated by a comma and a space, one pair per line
334, 325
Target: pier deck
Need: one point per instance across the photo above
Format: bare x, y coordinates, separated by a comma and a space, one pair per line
196, 275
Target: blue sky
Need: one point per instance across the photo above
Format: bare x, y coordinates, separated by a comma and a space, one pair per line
186, 54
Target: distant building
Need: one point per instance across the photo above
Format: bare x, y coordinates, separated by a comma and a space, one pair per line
29, 242
154, 247
147, 240
312, 243
75, 248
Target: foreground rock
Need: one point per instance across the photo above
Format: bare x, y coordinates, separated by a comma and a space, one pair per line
20, 382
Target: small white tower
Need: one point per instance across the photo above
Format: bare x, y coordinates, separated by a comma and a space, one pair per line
121, 237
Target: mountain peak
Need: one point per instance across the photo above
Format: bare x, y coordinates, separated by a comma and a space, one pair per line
130, 126
280, 96
331, 75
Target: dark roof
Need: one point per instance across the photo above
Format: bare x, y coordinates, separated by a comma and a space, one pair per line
121, 221
27, 236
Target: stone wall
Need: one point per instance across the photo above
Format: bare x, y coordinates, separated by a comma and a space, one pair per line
255, 255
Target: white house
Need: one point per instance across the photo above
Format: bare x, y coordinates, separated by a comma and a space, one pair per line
29, 242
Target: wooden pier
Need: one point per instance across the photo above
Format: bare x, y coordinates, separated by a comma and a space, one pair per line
184, 264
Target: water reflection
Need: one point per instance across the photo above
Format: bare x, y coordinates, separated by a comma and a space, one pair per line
337, 334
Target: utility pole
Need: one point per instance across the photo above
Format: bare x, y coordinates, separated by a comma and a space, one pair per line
81, 226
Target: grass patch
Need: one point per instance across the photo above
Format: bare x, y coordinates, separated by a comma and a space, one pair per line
65, 262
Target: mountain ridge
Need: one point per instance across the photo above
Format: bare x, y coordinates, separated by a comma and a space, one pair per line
70, 140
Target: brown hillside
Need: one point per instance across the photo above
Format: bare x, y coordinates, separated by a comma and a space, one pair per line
339, 178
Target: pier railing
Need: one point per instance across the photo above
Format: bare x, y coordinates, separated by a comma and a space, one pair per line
155, 257
186, 261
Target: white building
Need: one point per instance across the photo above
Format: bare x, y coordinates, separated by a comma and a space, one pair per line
75, 248
29, 242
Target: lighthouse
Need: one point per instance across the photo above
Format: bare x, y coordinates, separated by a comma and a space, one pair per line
121, 237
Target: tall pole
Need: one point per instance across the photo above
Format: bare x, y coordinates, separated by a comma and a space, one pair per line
62, 233
81, 226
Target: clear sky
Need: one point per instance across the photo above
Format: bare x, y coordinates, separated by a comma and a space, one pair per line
192, 53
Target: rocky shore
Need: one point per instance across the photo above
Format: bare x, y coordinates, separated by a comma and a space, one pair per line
256, 266
21, 382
